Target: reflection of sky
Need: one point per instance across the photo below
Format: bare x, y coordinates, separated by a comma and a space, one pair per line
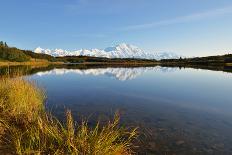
189, 88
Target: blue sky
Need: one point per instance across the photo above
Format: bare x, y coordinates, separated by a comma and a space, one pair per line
187, 27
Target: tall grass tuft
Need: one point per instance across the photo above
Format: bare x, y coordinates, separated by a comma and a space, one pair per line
20, 99
26, 128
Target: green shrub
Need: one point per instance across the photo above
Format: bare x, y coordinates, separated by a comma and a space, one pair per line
13, 54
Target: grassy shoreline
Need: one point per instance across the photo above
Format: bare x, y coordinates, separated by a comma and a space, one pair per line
26, 127
28, 63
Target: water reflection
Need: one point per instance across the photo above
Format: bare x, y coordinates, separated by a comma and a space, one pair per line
121, 74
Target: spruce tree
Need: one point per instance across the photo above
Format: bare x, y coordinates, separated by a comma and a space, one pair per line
5, 44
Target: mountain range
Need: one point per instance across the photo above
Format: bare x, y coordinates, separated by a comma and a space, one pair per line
119, 51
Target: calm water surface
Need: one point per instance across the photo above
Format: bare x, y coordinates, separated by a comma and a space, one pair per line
182, 111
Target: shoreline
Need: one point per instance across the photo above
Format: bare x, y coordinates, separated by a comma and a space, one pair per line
29, 63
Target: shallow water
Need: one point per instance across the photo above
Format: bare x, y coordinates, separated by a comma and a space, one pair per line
183, 111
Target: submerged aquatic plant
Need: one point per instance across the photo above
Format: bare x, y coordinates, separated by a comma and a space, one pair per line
26, 128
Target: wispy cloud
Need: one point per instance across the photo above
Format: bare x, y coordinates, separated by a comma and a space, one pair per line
95, 36
182, 19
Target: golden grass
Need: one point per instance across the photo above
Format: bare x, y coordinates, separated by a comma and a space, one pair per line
29, 63
228, 64
27, 129
20, 99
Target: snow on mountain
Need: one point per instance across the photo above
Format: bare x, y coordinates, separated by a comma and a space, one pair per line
120, 51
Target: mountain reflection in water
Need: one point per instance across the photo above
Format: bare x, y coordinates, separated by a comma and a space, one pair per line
121, 74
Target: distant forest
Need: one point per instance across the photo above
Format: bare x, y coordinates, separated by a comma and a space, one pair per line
209, 60
12, 53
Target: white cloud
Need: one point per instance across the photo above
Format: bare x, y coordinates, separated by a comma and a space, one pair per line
182, 19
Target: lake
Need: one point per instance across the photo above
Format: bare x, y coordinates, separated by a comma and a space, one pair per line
177, 110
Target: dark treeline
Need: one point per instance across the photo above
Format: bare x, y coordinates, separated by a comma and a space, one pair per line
210, 60
82, 59
216, 63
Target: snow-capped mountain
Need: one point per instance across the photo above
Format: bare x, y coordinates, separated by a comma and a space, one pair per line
120, 51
